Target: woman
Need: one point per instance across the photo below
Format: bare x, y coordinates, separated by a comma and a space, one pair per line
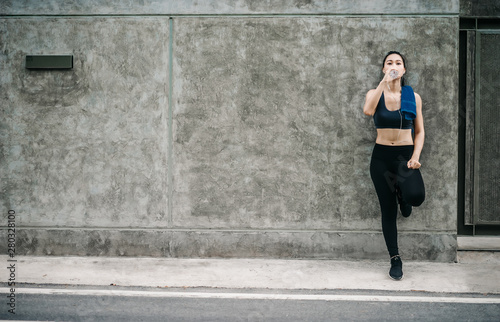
394, 167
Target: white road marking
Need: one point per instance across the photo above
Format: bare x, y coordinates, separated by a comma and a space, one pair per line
258, 296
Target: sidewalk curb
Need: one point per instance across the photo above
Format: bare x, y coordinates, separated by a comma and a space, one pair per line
256, 274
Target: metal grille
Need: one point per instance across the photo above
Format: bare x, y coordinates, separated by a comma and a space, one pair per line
487, 154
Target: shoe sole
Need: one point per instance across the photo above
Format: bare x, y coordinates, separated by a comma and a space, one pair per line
396, 279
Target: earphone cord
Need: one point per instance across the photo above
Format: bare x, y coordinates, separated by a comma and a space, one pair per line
400, 124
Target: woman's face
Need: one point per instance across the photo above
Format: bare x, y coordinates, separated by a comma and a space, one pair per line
394, 61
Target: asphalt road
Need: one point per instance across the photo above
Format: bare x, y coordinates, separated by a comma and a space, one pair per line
114, 303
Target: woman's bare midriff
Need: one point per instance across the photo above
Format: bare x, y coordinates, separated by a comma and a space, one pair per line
390, 137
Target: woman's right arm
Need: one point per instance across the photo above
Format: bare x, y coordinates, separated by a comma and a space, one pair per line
373, 96
371, 101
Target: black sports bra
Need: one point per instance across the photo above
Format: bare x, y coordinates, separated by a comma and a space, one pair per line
385, 119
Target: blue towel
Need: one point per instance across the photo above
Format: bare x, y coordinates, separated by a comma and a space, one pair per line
408, 104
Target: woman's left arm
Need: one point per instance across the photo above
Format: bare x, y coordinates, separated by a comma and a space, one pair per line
419, 135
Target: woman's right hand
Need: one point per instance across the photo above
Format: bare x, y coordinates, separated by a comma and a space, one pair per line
387, 77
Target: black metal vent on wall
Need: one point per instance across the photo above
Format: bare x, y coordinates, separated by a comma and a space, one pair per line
49, 61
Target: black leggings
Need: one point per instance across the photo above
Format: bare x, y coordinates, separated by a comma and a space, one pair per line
388, 167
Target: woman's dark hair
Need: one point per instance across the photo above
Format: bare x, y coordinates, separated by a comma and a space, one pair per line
404, 63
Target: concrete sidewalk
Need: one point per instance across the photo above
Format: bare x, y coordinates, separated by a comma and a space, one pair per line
254, 273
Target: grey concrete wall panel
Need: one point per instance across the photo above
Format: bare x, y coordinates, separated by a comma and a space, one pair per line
229, 244
85, 242
87, 146
309, 244
480, 8
268, 125
218, 7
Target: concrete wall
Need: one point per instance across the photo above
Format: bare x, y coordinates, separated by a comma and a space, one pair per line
230, 7
211, 134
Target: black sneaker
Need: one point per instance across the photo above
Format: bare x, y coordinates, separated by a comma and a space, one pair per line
403, 206
396, 271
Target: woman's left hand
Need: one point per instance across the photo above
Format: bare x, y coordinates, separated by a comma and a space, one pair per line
413, 164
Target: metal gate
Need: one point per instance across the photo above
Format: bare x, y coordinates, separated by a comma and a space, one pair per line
487, 130
480, 111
